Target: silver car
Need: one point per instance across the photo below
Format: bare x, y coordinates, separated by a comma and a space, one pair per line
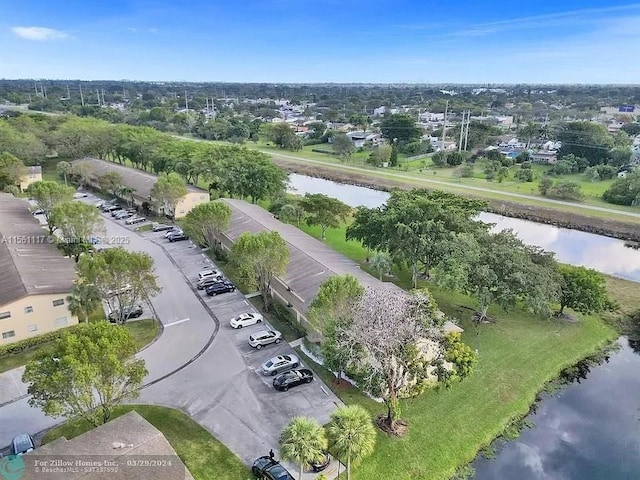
280, 364
264, 337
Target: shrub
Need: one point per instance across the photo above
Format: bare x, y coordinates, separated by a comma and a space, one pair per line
624, 191
545, 184
284, 315
323, 150
524, 175
463, 171
565, 191
32, 342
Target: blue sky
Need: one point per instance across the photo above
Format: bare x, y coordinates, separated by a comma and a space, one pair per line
382, 41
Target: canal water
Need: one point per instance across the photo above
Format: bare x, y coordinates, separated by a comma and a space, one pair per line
589, 430
607, 255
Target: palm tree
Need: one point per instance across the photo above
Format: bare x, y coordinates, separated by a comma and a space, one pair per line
381, 263
127, 193
530, 131
351, 434
303, 441
83, 300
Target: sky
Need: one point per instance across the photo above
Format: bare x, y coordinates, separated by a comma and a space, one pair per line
341, 41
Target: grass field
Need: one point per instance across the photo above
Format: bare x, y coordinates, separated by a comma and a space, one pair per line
144, 332
517, 356
203, 455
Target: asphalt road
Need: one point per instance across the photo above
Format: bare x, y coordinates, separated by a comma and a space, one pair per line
200, 364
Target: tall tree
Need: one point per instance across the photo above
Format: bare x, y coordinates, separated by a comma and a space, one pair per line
76, 222
303, 441
122, 278
292, 212
248, 173
86, 373
419, 227
400, 128
205, 222
11, 170
47, 195
351, 435
324, 211
585, 139
343, 145
257, 258
82, 173
64, 169
529, 131
583, 290
84, 299
168, 191
381, 262
111, 182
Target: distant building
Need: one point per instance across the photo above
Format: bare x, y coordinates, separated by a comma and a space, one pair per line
142, 184
30, 175
35, 280
544, 156
138, 449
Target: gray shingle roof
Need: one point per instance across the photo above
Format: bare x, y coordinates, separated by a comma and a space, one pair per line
311, 262
29, 264
141, 181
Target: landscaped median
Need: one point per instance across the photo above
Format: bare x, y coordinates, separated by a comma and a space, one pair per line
203, 455
517, 356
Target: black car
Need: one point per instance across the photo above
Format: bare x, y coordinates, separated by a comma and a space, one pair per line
208, 281
321, 464
220, 287
22, 444
269, 469
177, 237
128, 312
292, 378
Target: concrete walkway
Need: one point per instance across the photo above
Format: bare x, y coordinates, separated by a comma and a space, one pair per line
11, 386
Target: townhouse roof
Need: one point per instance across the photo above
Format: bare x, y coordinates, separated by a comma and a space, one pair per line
29, 263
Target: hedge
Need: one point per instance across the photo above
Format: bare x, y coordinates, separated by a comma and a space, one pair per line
31, 342
284, 314
321, 150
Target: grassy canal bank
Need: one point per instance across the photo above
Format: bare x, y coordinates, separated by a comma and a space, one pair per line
517, 357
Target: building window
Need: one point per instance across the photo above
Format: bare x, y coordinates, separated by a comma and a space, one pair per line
61, 322
4, 315
32, 328
28, 309
201, 197
57, 303
8, 334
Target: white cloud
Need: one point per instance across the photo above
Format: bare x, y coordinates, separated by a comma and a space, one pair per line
39, 33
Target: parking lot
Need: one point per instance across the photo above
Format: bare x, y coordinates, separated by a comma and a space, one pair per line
223, 389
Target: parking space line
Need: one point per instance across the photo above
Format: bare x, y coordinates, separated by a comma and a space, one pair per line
176, 322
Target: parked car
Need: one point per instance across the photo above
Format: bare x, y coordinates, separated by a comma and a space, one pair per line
177, 237
133, 220
119, 291
111, 207
264, 337
206, 282
291, 379
121, 215
268, 468
161, 227
280, 364
127, 313
38, 211
322, 464
80, 195
22, 444
172, 231
208, 272
220, 287
245, 319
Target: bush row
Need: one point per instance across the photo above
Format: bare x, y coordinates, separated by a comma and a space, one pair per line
31, 342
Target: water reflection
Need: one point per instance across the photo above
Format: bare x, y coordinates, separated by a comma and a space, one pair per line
588, 431
605, 254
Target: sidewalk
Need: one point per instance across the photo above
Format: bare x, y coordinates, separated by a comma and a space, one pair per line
11, 386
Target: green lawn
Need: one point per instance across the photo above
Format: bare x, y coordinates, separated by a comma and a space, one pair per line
203, 455
143, 331
517, 356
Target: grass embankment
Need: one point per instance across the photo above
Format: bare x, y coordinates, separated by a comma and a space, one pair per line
517, 356
144, 332
203, 455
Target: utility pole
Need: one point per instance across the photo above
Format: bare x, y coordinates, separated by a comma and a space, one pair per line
461, 132
44, 91
103, 102
186, 102
81, 96
98, 93
68, 92
466, 135
35, 86
444, 125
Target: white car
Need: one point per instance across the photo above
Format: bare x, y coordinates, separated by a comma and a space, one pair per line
245, 320
134, 220
80, 195
122, 215
280, 364
207, 273
264, 337
119, 291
